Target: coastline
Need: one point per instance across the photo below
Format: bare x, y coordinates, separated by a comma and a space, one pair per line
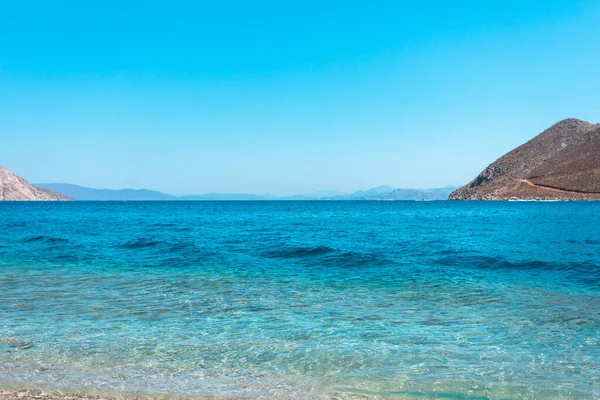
23, 391
34, 392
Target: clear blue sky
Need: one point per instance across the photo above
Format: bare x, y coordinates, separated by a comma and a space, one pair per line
286, 97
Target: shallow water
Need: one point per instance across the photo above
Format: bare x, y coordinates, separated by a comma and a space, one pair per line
451, 300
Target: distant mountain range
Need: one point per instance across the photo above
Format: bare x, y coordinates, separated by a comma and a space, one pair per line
86, 193
377, 193
414, 194
561, 163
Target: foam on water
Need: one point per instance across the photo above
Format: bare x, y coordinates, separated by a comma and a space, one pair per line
303, 299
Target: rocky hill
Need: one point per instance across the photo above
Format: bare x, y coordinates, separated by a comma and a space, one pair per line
13, 187
561, 163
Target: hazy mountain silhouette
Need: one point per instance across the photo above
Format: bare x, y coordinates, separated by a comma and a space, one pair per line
85, 193
378, 193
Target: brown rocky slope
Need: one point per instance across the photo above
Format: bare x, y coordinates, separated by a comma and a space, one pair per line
561, 163
15, 188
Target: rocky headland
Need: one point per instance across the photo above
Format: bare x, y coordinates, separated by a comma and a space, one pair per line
561, 163
15, 188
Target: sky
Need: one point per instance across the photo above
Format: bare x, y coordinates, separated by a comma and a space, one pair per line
286, 97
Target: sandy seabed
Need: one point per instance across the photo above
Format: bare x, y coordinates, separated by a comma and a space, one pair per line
39, 394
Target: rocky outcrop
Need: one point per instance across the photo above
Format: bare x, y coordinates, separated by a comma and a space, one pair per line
14, 188
561, 163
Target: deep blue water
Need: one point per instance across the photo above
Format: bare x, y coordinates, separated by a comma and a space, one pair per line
303, 299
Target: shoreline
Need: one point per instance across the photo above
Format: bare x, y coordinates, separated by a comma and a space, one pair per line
23, 391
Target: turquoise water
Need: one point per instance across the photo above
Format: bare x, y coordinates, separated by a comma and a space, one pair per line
420, 300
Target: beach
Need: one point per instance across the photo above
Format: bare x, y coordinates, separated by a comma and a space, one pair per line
37, 394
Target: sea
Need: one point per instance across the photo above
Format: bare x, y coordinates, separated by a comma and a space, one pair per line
303, 300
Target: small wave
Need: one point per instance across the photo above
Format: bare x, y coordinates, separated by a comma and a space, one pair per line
499, 263
182, 247
168, 252
354, 259
168, 227
16, 344
46, 239
139, 244
34, 239
299, 252
585, 274
329, 257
